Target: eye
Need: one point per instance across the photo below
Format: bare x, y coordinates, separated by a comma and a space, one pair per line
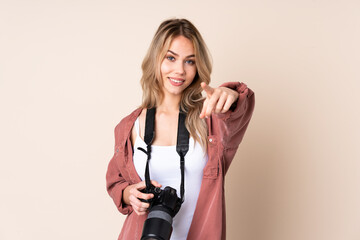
191, 62
171, 58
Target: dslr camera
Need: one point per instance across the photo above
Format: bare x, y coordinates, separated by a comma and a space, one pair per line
163, 207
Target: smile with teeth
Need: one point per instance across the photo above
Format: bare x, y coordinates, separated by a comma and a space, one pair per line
176, 81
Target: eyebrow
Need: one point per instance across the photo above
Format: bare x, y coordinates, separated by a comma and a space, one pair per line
192, 55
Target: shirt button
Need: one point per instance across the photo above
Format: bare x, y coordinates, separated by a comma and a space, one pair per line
210, 140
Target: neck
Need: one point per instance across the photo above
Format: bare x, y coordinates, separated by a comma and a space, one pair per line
169, 104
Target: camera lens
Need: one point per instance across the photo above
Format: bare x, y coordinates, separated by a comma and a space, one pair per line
158, 224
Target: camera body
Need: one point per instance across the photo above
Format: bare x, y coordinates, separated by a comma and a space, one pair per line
166, 198
163, 207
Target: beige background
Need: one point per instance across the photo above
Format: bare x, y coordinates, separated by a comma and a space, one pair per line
70, 70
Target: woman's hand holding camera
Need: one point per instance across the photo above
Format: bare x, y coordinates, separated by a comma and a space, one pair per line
132, 194
218, 100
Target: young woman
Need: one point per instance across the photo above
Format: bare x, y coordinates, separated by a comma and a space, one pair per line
176, 69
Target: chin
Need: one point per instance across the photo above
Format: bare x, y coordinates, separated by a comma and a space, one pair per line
176, 92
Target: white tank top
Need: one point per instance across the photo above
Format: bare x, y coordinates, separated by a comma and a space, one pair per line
164, 168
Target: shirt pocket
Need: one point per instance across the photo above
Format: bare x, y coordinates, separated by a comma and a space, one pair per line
211, 170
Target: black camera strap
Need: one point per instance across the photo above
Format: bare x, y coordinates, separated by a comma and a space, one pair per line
182, 145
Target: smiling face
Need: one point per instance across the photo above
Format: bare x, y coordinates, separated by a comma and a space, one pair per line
178, 68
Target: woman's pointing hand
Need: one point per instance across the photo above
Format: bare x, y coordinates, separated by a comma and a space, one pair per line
218, 100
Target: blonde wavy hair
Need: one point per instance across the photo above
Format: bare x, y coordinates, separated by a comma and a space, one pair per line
151, 82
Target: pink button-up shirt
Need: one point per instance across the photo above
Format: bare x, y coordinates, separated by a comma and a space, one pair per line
225, 132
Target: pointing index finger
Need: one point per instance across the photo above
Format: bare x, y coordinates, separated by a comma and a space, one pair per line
207, 88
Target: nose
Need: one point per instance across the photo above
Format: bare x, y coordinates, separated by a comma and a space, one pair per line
180, 68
